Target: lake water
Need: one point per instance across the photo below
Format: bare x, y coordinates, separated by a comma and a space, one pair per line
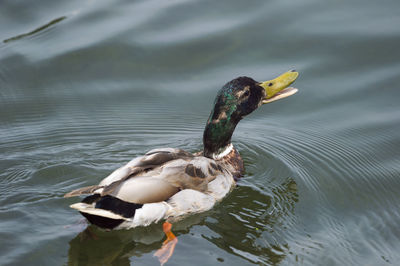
87, 85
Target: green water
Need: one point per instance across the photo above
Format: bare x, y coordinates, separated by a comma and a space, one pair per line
85, 86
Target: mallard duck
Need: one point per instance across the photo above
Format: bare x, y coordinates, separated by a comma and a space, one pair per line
170, 184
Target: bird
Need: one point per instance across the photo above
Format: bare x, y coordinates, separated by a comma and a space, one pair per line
169, 184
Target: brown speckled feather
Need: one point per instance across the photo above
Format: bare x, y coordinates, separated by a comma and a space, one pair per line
234, 163
157, 176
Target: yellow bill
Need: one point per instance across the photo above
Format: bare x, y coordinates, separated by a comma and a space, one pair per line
278, 88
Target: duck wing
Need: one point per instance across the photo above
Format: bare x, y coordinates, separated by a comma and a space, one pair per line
155, 177
151, 160
160, 183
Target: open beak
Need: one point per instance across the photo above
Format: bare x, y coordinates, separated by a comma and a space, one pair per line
278, 88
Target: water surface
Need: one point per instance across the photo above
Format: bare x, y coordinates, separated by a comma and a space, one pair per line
87, 85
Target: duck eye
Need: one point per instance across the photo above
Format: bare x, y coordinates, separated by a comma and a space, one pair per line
246, 94
270, 84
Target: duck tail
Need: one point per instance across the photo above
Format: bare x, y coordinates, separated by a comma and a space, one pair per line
82, 190
106, 211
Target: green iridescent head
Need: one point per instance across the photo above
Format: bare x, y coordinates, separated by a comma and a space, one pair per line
237, 99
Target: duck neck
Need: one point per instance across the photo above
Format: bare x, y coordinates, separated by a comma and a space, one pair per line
217, 137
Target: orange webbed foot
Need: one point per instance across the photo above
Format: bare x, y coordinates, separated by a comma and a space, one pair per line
167, 249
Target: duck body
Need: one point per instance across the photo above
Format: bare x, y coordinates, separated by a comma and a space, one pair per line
164, 184
170, 184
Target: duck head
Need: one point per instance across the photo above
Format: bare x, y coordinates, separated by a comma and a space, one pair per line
238, 98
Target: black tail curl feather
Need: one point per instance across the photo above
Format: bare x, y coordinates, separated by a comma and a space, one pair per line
92, 198
123, 208
109, 203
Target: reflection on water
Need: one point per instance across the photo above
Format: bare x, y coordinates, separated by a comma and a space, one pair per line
96, 247
252, 224
255, 221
